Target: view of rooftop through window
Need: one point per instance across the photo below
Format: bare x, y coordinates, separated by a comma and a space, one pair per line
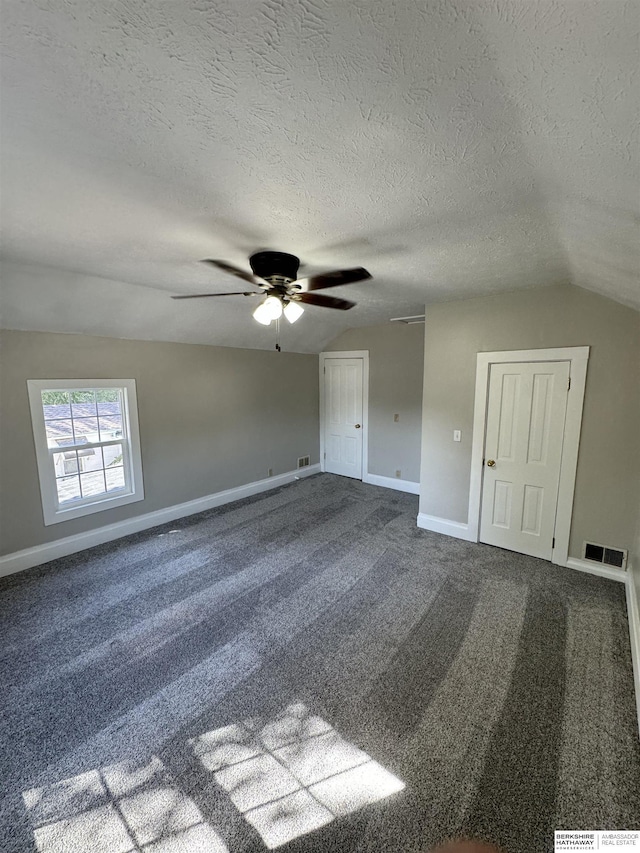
87, 445
84, 429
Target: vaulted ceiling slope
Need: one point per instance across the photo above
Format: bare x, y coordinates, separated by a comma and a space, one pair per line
452, 148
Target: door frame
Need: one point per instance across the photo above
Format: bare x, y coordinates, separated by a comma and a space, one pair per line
578, 358
364, 355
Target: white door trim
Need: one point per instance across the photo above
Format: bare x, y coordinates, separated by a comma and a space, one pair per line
364, 355
578, 358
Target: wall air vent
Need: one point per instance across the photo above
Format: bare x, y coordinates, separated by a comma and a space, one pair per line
303, 461
595, 553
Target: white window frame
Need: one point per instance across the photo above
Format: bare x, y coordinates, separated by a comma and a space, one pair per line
52, 511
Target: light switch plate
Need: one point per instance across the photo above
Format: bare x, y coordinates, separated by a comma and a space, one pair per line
457, 435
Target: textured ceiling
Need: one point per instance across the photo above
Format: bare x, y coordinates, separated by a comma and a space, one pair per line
452, 148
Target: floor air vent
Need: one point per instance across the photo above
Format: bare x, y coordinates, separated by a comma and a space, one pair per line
303, 461
607, 556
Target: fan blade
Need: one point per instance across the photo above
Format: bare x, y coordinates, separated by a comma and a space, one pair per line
333, 279
325, 301
245, 276
203, 295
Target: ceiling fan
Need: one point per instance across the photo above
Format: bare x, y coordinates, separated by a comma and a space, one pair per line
275, 273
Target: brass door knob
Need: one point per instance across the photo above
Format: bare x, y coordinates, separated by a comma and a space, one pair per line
357, 426
491, 463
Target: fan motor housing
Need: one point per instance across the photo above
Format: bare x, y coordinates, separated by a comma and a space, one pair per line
268, 264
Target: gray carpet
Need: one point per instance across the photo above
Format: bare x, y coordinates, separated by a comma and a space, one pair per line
307, 671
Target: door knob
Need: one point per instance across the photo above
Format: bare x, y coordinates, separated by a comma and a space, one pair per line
491, 463
357, 426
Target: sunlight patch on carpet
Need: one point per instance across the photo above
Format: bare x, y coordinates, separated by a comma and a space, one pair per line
122, 808
292, 774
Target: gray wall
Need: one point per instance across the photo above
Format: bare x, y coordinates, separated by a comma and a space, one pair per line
210, 418
608, 478
634, 560
396, 356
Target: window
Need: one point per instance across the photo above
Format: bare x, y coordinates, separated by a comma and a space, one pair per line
87, 445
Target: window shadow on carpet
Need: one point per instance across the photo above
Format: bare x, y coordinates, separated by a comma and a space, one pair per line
286, 776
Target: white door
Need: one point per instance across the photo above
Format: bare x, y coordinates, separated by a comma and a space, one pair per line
523, 450
343, 416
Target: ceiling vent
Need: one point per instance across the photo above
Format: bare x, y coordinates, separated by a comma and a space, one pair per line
595, 553
415, 318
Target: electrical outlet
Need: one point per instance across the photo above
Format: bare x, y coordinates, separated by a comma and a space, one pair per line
396, 418
398, 473
270, 472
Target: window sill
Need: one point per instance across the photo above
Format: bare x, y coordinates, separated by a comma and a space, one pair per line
71, 512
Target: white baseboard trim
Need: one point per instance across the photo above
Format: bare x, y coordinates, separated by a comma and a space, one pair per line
596, 569
634, 636
445, 526
29, 557
392, 483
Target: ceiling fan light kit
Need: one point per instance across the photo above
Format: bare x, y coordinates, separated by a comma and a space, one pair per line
293, 311
275, 274
272, 309
262, 314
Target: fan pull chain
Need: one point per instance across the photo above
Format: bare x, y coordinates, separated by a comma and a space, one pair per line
278, 335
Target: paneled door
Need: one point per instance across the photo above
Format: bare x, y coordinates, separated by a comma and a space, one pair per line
343, 416
523, 449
